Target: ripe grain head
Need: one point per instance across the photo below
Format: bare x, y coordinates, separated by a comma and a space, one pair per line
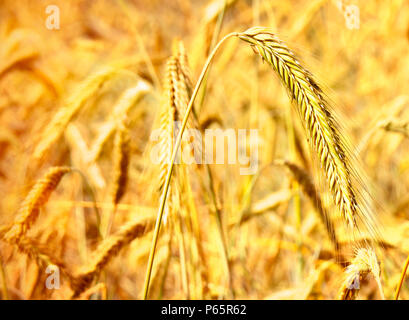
36, 198
323, 131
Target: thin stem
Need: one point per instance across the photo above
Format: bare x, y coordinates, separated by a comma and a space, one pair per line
378, 282
402, 277
213, 43
93, 199
170, 169
182, 253
144, 53
296, 198
219, 223
4, 281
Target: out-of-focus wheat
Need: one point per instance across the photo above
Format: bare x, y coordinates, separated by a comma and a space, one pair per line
122, 108
73, 105
108, 249
308, 186
37, 197
42, 255
365, 262
121, 162
401, 127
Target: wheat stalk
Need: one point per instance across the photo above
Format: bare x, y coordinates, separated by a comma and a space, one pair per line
402, 278
322, 129
165, 189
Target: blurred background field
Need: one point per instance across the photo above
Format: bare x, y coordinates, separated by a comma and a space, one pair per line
271, 254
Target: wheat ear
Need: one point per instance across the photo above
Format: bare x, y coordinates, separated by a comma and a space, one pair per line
73, 105
121, 161
365, 262
320, 124
167, 119
393, 125
121, 109
317, 118
165, 189
120, 171
36, 198
108, 249
175, 98
43, 257
304, 179
179, 52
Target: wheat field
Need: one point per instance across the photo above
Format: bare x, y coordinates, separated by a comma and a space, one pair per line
110, 189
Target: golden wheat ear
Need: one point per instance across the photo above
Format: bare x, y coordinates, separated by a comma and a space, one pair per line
36, 198
130, 98
108, 249
72, 106
174, 105
323, 132
365, 262
121, 161
167, 119
121, 158
42, 255
184, 73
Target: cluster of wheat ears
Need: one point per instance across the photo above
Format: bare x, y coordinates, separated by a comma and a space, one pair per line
328, 145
